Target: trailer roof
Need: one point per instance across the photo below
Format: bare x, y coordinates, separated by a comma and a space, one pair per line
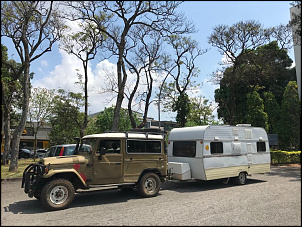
188, 133
223, 132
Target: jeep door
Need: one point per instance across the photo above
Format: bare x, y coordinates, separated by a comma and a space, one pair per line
143, 155
108, 162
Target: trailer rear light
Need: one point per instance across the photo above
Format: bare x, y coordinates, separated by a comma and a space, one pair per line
201, 141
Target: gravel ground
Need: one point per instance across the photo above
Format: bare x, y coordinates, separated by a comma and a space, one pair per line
271, 199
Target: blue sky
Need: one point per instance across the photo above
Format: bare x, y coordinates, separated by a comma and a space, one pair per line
56, 69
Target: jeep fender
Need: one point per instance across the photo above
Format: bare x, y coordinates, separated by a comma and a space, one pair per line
53, 172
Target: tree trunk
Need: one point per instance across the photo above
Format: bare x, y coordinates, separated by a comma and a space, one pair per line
13, 167
7, 136
121, 88
35, 144
142, 124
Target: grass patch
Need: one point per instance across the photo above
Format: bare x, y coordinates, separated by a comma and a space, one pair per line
22, 164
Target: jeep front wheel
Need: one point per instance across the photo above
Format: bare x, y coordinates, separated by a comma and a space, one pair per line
148, 185
57, 194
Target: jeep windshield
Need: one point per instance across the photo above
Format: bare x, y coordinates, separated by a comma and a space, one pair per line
87, 145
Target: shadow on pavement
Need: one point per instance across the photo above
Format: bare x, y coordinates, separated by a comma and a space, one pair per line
286, 171
89, 198
198, 185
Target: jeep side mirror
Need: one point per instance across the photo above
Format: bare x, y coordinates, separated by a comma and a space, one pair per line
103, 151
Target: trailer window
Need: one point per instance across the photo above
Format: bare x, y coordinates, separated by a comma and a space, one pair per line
216, 148
184, 148
143, 146
261, 147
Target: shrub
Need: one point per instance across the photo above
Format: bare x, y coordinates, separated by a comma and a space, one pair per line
285, 157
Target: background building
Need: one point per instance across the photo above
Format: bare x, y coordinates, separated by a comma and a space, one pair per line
27, 139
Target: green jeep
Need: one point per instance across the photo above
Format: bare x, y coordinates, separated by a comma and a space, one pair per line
134, 159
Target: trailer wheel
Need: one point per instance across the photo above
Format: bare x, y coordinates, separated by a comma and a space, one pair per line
57, 194
241, 179
148, 185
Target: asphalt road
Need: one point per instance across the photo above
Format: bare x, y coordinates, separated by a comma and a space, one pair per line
271, 199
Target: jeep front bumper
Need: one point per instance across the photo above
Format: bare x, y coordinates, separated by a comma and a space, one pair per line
32, 178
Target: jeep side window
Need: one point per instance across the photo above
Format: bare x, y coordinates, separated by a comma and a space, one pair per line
111, 146
143, 146
87, 145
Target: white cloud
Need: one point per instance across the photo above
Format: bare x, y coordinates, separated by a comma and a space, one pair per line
64, 76
44, 63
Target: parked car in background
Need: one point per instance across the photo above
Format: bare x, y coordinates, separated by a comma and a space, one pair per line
25, 153
9, 156
64, 150
41, 153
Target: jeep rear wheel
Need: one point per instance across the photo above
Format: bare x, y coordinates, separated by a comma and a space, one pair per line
57, 194
148, 185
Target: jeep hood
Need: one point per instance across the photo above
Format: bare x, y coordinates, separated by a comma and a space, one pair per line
57, 160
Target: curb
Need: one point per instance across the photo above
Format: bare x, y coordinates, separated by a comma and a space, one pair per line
291, 165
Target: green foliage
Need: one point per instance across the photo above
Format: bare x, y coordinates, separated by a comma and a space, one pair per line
265, 70
285, 157
10, 99
290, 118
182, 107
200, 112
66, 119
10, 80
272, 108
103, 121
255, 111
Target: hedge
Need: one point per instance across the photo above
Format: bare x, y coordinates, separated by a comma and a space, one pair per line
285, 157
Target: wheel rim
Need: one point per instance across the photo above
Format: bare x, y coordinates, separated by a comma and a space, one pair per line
242, 178
58, 195
150, 185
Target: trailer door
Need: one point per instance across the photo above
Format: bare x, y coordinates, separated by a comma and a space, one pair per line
249, 153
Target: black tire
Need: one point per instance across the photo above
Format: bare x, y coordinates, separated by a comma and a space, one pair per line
57, 194
148, 185
37, 196
241, 179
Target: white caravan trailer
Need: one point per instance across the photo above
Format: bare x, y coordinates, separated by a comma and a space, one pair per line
216, 151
